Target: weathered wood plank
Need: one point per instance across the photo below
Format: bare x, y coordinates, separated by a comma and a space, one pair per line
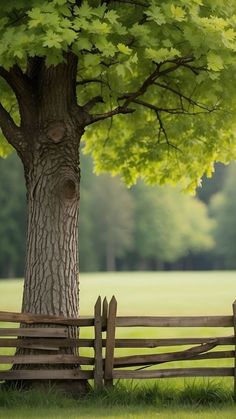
154, 343
46, 359
38, 343
43, 319
234, 321
119, 343
104, 314
35, 332
168, 357
68, 374
87, 343
172, 373
136, 360
110, 342
166, 321
98, 367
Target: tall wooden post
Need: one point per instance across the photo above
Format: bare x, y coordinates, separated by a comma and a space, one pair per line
234, 314
110, 342
98, 362
104, 314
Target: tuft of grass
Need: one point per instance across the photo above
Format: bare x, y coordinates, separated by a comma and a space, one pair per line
208, 393
35, 398
130, 400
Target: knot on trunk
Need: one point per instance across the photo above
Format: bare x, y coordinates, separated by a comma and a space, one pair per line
69, 189
56, 131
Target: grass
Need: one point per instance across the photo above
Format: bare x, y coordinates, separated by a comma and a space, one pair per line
145, 293
155, 293
124, 401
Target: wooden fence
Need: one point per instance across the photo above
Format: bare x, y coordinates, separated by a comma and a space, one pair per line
45, 359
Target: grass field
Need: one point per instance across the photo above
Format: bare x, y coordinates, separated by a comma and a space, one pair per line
174, 293
147, 293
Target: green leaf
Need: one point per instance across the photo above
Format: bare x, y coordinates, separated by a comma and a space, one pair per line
84, 10
214, 62
178, 13
83, 43
91, 60
106, 47
112, 16
52, 40
156, 15
162, 54
36, 17
120, 69
124, 49
98, 27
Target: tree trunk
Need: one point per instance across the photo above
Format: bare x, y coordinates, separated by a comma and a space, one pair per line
51, 277
110, 256
51, 160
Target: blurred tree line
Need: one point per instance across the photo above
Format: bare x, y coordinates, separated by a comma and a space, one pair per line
142, 228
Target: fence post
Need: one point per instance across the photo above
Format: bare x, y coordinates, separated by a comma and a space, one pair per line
98, 362
104, 314
234, 314
110, 342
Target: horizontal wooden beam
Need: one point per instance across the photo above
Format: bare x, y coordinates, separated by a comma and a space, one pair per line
35, 332
39, 343
154, 343
65, 374
138, 321
53, 344
190, 321
28, 318
136, 360
46, 359
172, 373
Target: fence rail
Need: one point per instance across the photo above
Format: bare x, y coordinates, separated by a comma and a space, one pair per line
45, 349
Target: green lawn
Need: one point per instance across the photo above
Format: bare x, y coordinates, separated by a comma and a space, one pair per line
147, 293
119, 413
174, 293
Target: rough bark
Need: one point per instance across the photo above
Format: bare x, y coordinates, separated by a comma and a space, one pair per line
48, 144
51, 275
51, 160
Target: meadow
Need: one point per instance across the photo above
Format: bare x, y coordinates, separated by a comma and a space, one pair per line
141, 293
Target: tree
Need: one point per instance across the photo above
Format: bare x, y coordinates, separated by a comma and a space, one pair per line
223, 209
145, 86
106, 211
113, 212
168, 225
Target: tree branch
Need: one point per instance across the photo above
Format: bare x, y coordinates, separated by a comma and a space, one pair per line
163, 130
150, 80
172, 111
92, 102
131, 97
10, 130
113, 112
21, 86
182, 96
86, 81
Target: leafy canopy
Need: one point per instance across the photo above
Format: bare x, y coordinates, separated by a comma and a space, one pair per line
158, 76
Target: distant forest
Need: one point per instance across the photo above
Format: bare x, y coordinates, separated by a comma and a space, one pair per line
142, 228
